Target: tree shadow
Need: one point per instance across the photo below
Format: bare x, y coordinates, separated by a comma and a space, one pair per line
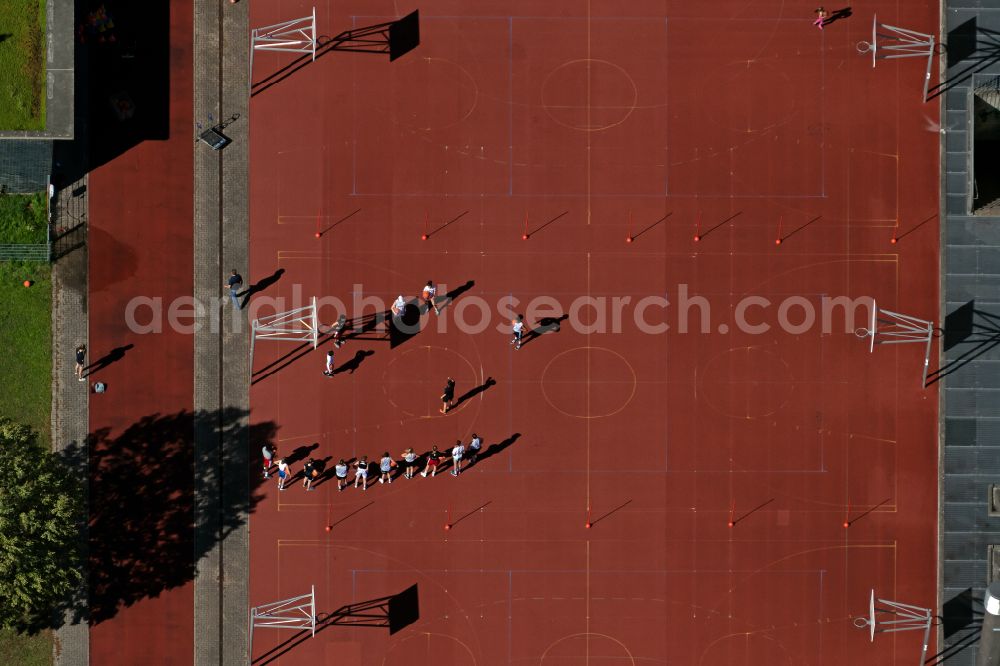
545, 325
142, 536
473, 392
113, 356
260, 286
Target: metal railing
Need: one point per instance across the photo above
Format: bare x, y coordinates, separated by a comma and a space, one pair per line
41, 252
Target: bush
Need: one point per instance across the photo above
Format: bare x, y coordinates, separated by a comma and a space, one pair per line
41, 513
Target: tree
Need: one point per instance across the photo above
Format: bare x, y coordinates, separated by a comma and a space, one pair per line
41, 514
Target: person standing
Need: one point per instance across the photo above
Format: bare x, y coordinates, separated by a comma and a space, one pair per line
517, 328
456, 458
410, 463
362, 472
235, 283
329, 364
433, 460
448, 396
81, 359
474, 445
385, 468
268, 452
428, 297
340, 469
284, 473
309, 472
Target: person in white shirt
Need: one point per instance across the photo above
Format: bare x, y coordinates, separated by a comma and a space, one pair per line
410, 459
340, 469
284, 473
456, 458
398, 306
474, 447
385, 467
329, 364
517, 327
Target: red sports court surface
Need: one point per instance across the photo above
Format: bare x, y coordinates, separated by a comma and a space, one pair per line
584, 123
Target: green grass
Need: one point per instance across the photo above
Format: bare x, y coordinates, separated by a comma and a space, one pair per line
22, 65
26, 371
25, 650
25, 345
22, 217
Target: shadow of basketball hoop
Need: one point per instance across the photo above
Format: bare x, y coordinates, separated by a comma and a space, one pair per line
394, 38
394, 612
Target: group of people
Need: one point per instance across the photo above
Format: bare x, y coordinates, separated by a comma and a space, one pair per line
388, 467
428, 301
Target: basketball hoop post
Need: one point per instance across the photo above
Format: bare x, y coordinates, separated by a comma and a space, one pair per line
900, 43
298, 325
892, 328
295, 613
909, 618
295, 36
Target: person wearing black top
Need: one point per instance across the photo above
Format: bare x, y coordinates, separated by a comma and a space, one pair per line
362, 473
81, 359
234, 283
448, 396
433, 460
309, 472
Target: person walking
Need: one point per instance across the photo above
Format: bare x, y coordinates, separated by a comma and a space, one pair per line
309, 473
385, 468
338, 331
284, 473
428, 297
268, 452
448, 396
410, 463
81, 360
517, 329
234, 284
821, 16
474, 445
362, 472
340, 469
456, 458
398, 306
433, 460
329, 364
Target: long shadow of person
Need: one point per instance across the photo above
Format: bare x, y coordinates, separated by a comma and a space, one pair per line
445, 301
472, 393
545, 325
322, 472
354, 363
843, 13
113, 356
300, 453
260, 286
499, 447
